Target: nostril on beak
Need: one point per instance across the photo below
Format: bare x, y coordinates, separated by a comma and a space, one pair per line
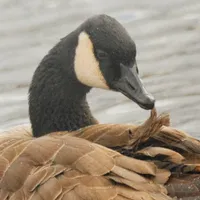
130, 86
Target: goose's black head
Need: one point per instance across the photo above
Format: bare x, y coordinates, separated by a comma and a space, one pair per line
105, 57
99, 53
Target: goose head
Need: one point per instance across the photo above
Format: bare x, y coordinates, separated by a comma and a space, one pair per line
105, 57
98, 54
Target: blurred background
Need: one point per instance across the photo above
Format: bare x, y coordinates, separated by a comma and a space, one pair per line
167, 35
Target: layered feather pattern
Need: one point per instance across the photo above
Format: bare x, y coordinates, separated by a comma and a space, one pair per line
151, 161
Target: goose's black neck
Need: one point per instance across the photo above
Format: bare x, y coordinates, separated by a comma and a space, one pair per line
57, 100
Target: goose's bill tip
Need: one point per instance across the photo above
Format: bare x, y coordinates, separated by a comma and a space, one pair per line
148, 103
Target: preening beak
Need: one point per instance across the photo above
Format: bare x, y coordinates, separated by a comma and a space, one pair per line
131, 86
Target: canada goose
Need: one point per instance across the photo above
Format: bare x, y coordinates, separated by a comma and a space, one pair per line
63, 165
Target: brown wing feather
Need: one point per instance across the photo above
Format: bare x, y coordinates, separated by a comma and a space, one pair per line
61, 166
175, 153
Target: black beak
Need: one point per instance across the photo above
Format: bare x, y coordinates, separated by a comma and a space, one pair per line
131, 86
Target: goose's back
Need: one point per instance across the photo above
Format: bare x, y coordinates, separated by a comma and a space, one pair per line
151, 161
60, 166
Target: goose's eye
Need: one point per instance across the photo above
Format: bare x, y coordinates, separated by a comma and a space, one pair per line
101, 54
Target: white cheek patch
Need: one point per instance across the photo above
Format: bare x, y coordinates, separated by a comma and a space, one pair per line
86, 65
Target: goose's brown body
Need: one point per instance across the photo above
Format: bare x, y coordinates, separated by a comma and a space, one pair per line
64, 166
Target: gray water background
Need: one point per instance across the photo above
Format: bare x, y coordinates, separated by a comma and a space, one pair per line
167, 35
